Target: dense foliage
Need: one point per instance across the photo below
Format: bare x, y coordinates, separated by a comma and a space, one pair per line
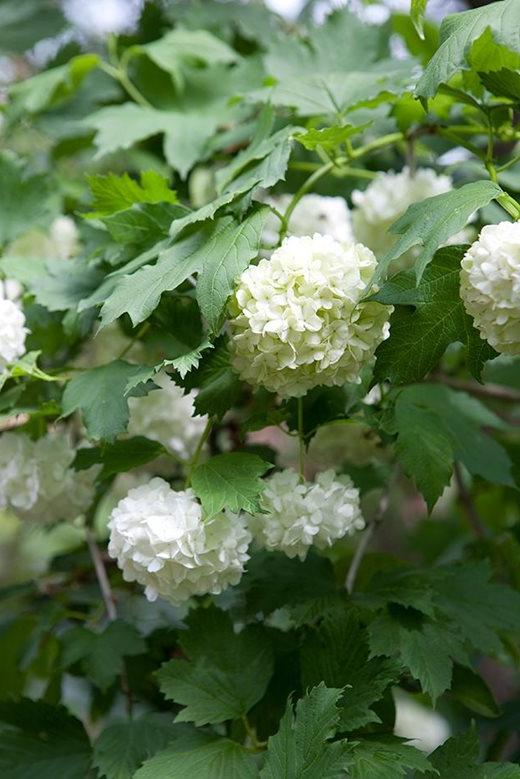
259, 443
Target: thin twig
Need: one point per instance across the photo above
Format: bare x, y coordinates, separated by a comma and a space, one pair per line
468, 505
10, 423
110, 606
487, 391
101, 574
301, 438
364, 543
198, 451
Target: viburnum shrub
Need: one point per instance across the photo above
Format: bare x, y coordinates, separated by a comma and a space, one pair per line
260, 393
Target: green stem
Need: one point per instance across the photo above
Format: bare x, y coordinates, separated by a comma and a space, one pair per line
301, 437
379, 143
354, 173
510, 205
121, 75
196, 455
305, 187
508, 164
142, 330
341, 170
256, 745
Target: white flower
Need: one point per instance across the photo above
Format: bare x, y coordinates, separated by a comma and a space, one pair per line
37, 481
10, 289
424, 728
64, 236
299, 322
313, 214
386, 199
160, 539
12, 332
166, 415
490, 285
19, 480
99, 18
310, 514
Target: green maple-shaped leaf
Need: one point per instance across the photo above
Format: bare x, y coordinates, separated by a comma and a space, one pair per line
457, 34
99, 393
52, 86
436, 426
119, 457
230, 480
41, 740
102, 654
189, 122
432, 221
428, 318
226, 673
180, 48
381, 756
217, 384
337, 654
124, 746
203, 756
111, 193
228, 253
458, 758
27, 200
329, 138
343, 64
302, 746
432, 630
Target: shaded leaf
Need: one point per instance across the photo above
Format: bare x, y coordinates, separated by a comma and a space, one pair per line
43, 741
124, 746
382, 757
226, 673
202, 756
102, 654
120, 456
436, 425
336, 652
302, 746
99, 394
429, 317
34, 203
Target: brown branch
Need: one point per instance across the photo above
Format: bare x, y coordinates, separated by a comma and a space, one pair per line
364, 543
486, 391
12, 422
109, 601
101, 574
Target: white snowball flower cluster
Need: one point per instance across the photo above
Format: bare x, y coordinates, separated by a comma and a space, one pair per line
490, 285
160, 539
386, 198
313, 214
300, 515
12, 332
166, 415
10, 289
99, 18
64, 237
298, 320
37, 481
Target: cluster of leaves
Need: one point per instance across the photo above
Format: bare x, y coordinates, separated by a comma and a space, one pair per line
161, 148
